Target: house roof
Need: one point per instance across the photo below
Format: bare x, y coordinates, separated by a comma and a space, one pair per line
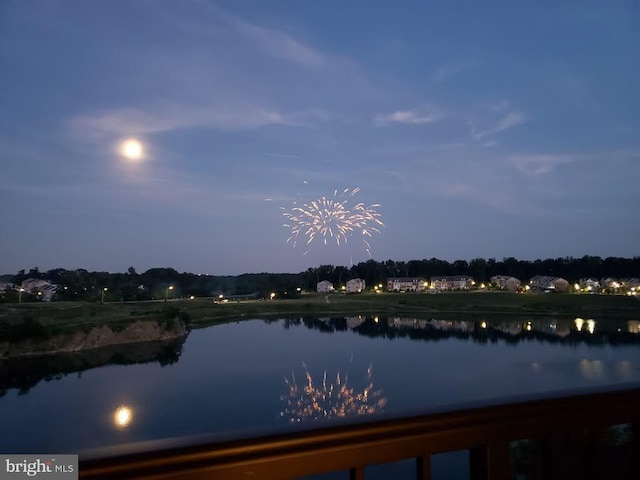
504, 277
452, 278
546, 279
405, 279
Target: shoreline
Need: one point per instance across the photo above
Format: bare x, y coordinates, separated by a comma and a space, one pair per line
100, 336
27, 324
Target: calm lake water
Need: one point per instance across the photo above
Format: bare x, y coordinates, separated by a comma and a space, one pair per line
236, 378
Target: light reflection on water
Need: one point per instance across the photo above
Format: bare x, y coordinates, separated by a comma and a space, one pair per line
328, 399
229, 378
123, 416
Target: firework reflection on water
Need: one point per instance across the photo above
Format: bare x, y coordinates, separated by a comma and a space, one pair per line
334, 219
328, 400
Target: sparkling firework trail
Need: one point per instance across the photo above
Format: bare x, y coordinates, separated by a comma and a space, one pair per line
328, 400
332, 219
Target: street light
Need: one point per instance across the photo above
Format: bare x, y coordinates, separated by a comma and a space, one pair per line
166, 292
20, 295
104, 290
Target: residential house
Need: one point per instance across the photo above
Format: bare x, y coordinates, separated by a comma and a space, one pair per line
452, 325
4, 286
505, 282
406, 284
452, 282
355, 285
589, 284
325, 286
354, 322
400, 322
43, 289
609, 282
510, 328
548, 283
551, 326
631, 284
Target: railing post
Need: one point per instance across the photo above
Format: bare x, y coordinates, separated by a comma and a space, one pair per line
550, 448
356, 473
635, 448
490, 462
423, 467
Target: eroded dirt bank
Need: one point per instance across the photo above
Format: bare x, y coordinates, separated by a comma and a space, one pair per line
32, 361
97, 337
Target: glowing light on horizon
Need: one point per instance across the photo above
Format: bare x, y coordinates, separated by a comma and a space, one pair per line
333, 219
329, 400
132, 149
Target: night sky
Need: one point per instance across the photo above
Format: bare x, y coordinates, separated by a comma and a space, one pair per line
510, 129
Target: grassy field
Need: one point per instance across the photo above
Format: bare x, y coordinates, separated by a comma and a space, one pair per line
64, 316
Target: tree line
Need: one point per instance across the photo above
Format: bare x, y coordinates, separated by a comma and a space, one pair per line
481, 270
160, 283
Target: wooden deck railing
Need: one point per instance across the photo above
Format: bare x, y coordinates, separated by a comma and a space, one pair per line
484, 430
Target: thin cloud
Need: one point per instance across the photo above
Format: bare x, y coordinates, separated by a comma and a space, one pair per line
210, 20
512, 119
539, 164
499, 106
134, 121
508, 121
282, 45
450, 70
407, 117
281, 155
473, 189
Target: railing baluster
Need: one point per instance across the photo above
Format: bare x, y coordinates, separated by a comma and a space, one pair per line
356, 473
423, 467
635, 448
477, 463
549, 461
490, 462
499, 461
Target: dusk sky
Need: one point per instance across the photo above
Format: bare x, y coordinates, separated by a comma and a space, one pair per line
481, 129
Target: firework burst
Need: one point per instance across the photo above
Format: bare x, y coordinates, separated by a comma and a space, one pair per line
333, 219
328, 400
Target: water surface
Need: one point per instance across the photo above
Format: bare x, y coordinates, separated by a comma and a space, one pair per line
237, 378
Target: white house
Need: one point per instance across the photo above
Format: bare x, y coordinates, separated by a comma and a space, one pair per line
355, 285
589, 284
44, 289
325, 286
542, 282
405, 284
354, 322
402, 322
452, 282
504, 282
631, 283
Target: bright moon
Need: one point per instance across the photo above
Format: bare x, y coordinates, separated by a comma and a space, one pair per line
132, 149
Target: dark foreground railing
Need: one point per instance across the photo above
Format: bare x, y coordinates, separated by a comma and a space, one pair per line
486, 431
